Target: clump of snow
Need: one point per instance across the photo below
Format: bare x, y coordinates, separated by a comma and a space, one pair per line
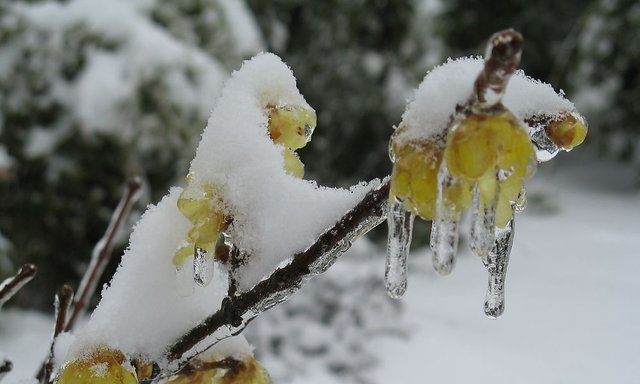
141, 311
275, 214
451, 84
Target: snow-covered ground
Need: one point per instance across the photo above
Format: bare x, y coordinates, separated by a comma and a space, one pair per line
572, 314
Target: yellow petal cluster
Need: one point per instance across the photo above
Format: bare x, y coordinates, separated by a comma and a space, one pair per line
291, 126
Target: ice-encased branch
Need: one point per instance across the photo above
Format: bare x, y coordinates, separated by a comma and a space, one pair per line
12, 285
238, 310
102, 252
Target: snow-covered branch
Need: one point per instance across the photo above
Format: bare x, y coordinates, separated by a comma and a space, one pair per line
238, 310
12, 285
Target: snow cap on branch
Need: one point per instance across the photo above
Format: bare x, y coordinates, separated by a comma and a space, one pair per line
451, 84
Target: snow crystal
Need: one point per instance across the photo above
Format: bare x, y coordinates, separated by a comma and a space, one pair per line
141, 311
275, 214
451, 84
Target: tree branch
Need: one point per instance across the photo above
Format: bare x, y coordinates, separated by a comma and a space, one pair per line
63, 301
236, 311
12, 285
102, 252
501, 60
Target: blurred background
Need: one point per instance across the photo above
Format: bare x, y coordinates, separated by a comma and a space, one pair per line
94, 92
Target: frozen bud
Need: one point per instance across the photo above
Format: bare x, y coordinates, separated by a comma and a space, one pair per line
104, 366
568, 132
414, 179
291, 125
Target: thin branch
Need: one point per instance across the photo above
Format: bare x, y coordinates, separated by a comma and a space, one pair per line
102, 252
237, 311
63, 301
12, 285
501, 60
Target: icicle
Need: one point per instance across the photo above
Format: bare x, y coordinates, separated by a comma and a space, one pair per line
444, 229
496, 263
483, 223
400, 223
202, 267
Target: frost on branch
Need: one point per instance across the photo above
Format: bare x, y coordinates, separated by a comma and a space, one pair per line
245, 208
469, 140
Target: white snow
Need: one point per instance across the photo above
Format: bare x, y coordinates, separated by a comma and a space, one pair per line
142, 311
271, 209
451, 84
110, 77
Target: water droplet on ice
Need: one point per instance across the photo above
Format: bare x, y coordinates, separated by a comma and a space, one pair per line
400, 223
496, 263
202, 267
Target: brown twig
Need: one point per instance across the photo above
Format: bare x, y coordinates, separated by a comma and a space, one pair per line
237, 311
63, 301
502, 58
12, 285
102, 252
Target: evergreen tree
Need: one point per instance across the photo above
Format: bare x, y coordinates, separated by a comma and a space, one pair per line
91, 93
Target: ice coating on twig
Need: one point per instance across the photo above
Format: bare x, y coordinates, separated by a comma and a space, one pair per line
496, 263
400, 222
